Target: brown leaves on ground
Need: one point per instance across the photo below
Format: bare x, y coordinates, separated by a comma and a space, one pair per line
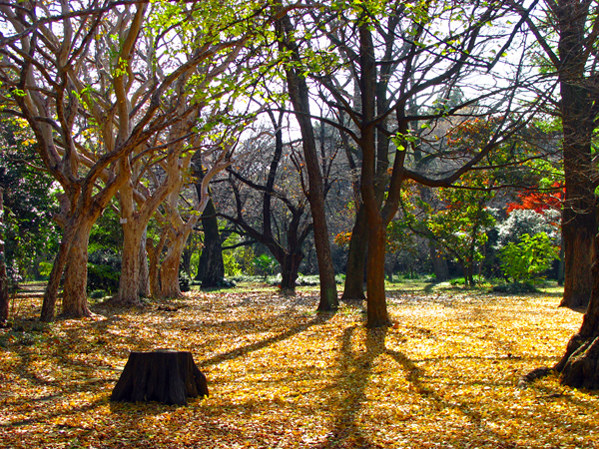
280, 376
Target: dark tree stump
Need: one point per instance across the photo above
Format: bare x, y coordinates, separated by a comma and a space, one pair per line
164, 375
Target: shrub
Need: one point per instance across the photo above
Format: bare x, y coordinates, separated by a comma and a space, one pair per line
527, 259
184, 281
103, 270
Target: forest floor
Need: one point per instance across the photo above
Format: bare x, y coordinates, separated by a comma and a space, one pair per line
281, 376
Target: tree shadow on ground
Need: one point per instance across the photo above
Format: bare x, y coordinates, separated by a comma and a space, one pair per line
353, 382
320, 318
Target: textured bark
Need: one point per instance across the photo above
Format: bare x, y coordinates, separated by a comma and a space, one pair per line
289, 272
169, 269
298, 94
578, 112
129, 282
165, 376
579, 367
356, 259
4, 299
74, 295
154, 253
211, 268
144, 268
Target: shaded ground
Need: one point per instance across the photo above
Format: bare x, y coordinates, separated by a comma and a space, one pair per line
281, 376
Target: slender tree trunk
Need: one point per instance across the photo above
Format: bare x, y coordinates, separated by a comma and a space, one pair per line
74, 294
144, 269
53, 285
4, 298
154, 253
356, 259
561, 267
377, 315
298, 94
439, 263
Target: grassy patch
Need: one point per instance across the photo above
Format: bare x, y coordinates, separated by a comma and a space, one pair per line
282, 376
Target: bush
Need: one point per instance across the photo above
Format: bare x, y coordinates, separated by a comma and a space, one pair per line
103, 270
526, 260
184, 281
515, 288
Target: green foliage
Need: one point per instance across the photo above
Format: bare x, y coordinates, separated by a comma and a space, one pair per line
29, 234
232, 267
527, 259
265, 264
460, 228
103, 270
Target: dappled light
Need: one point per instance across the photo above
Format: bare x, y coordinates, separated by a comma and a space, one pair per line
280, 375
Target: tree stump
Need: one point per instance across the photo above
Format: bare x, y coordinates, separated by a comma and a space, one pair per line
164, 375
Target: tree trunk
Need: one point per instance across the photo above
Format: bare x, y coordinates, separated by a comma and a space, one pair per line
144, 269
577, 231
4, 299
377, 315
578, 366
154, 253
169, 268
579, 224
74, 294
129, 281
356, 259
298, 94
211, 268
289, 272
439, 263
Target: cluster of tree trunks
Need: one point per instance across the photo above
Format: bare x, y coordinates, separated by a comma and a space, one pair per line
164, 375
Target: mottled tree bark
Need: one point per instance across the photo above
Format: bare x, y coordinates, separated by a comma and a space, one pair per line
74, 294
129, 282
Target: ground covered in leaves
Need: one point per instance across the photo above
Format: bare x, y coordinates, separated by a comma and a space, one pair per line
280, 376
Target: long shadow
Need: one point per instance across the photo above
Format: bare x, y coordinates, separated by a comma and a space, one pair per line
239, 352
345, 424
353, 382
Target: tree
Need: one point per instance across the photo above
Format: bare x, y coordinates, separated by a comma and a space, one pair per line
4, 299
398, 60
71, 70
566, 32
299, 96
527, 259
211, 268
281, 224
460, 228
